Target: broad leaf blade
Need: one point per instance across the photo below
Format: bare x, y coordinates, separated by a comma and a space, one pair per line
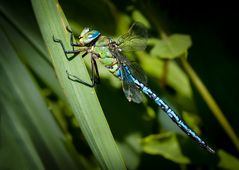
82, 99
227, 161
165, 145
172, 46
25, 107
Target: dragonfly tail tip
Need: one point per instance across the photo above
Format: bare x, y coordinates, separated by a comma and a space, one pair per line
210, 150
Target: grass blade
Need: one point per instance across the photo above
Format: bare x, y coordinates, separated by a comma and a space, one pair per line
82, 99
25, 107
29, 54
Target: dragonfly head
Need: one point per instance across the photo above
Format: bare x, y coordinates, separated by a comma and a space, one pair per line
87, 36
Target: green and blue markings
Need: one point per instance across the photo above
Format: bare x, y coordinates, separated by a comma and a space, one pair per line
110, 54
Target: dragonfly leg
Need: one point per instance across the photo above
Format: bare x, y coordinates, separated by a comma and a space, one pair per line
74, 52
94, 70
73, 44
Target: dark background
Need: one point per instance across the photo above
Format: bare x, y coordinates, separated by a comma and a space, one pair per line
213, 27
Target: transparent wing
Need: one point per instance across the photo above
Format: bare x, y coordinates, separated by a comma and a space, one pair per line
135, 39
128, 70
138, 73
134, 68
131, 92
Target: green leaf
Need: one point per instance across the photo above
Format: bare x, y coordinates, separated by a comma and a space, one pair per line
27, 114
32, 57
176, 78
138, 16
166, 145
131, 149
26, 24
16, 143
171, 46
227, 161
82, 99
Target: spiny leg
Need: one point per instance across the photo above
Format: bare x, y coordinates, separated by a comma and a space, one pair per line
75, 52
73, 44
94, 70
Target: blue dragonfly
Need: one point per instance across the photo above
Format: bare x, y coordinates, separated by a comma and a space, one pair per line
110, 53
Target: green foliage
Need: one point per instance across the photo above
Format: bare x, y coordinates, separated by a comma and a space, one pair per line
50, 122
227, 161
170, 47
164, 144
81, 98
25, 116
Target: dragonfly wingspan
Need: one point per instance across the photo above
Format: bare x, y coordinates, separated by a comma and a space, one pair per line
132, 76
135, 39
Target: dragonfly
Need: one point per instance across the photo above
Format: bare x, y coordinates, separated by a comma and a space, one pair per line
110, 53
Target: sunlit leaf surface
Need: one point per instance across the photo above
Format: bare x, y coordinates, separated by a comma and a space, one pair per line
172, 46
165, 145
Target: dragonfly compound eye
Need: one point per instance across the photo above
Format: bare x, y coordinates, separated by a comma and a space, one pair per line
89, 37
84, 31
